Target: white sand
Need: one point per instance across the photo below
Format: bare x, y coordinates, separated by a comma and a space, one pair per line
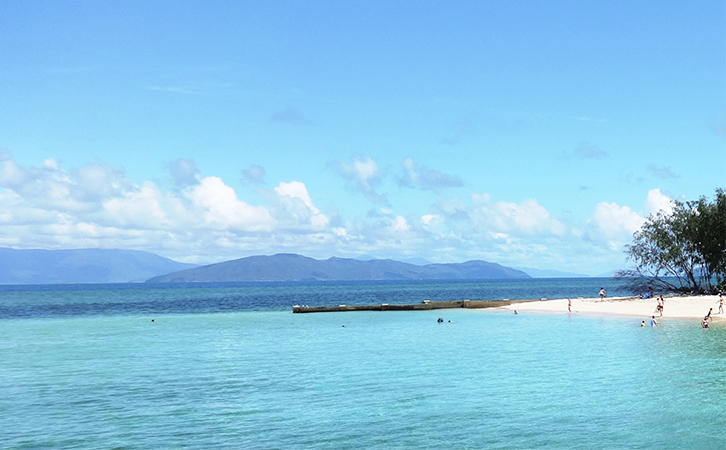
674, 307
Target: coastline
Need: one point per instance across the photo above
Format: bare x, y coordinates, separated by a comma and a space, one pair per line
691, 307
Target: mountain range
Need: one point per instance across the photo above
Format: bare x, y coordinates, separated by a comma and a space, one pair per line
291, 267
88, 265
125, 266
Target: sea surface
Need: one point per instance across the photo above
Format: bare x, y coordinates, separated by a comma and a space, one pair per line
228, 366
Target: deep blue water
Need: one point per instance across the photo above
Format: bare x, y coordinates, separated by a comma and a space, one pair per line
170, 298
230, 367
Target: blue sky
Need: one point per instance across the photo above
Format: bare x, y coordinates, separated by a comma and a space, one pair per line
533, 134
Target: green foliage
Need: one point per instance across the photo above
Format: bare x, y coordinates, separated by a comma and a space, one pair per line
684, 251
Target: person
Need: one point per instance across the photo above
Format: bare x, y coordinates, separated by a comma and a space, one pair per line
642, 323
515, 312
659, 308
653, 322
708, 316
569, 306
440, 320
704, 323
603, 294
720, 303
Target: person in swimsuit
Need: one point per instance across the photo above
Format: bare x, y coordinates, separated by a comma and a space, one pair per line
569, 306
603, 294
720, 303
653, 322
659, 308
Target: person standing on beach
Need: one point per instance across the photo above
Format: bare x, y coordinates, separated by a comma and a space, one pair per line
720, 303
569, 306
603, 294
659, 308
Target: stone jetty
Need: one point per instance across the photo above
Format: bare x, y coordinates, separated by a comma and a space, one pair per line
423, 306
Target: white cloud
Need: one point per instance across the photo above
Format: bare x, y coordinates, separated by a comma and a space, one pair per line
613, 225
528, 217
297, 190
364, 176
656, 201
204, 220
184, 172
400, 224
421, 177
222, 207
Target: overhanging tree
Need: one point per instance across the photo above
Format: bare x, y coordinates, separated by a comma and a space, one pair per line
683, 251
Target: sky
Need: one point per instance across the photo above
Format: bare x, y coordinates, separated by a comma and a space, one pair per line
531, 134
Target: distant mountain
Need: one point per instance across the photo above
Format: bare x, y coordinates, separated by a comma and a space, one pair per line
537, 273
291, 267
82, 266
417, 261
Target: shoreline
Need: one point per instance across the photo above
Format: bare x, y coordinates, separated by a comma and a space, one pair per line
690, 307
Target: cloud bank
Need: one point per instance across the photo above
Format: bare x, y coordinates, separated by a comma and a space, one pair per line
201, 218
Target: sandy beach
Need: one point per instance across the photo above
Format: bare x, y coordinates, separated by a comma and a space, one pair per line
674, 307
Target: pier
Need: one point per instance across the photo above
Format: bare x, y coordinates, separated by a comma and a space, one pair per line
423, 306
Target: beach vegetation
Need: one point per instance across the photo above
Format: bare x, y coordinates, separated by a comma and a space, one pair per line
682, 251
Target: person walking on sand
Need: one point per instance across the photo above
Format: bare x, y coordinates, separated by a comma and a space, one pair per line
659, 308
569, 306
603, 294
720, 303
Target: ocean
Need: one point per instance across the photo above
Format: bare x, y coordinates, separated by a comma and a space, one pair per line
228, 366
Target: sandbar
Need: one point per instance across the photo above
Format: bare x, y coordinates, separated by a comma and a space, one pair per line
675, 307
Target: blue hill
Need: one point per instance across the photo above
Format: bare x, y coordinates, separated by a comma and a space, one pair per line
291, 267
82, 266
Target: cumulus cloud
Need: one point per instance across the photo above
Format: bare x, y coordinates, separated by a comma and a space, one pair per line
222, 208
184, 172
255, 174
421, 177
527, 218
95, 205
309, 214
204, 219
656, 201
363, 175
613, 225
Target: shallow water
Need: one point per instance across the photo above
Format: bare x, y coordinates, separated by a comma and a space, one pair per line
267, 379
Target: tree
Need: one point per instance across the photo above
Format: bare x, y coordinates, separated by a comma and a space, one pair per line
682, 251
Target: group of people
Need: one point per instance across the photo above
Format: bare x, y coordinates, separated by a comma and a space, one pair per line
705, 322
707, 317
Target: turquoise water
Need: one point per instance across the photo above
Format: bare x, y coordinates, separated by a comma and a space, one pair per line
270, 379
